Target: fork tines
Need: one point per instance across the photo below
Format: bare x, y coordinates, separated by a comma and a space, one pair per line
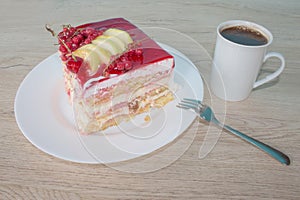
187, 103
194, 101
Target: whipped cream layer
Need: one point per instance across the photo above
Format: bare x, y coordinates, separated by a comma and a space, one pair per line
164, 67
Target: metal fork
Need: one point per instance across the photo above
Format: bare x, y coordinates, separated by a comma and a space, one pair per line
206, 113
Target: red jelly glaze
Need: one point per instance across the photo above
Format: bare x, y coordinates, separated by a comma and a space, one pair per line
151, 51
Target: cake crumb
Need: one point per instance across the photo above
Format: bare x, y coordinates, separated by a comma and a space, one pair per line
147, 118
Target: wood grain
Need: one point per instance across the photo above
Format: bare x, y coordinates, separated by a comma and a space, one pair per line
232, 170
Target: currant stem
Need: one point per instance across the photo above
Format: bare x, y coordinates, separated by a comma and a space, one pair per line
47, 26
69, 50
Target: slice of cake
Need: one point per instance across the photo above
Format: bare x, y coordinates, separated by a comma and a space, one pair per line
113, 71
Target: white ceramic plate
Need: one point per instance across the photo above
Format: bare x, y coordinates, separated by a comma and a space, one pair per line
46, 118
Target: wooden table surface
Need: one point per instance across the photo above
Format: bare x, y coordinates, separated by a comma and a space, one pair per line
231, 170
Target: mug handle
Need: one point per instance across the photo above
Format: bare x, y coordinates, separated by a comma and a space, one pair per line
274, 74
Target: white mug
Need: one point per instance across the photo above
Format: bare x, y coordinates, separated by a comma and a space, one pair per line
236, 66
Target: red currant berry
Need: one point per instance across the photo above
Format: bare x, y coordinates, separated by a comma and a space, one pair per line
123, 58
76, 39
63, 49
138, 52
90, 31
128, 65
74, 47
131, 54
67, 33
69, 44
80, 36
61, 35
121, 66
95, 34
88, 40
113, 65
83, 32
72, 30
92, 37
64, 57
62, 39
87, 32
73, 65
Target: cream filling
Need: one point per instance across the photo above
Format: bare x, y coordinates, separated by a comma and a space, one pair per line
86, 117
125, 94
103, 107
149, 70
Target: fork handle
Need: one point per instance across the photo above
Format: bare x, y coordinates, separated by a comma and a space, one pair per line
278, 155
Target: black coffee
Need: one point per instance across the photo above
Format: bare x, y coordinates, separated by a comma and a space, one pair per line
244, 35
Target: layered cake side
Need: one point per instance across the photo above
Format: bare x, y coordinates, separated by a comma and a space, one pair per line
113, 71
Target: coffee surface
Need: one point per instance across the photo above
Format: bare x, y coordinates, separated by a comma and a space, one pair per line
244, 35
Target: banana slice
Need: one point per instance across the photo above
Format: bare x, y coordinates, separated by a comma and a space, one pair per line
122, 35
94, 55
110, 43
